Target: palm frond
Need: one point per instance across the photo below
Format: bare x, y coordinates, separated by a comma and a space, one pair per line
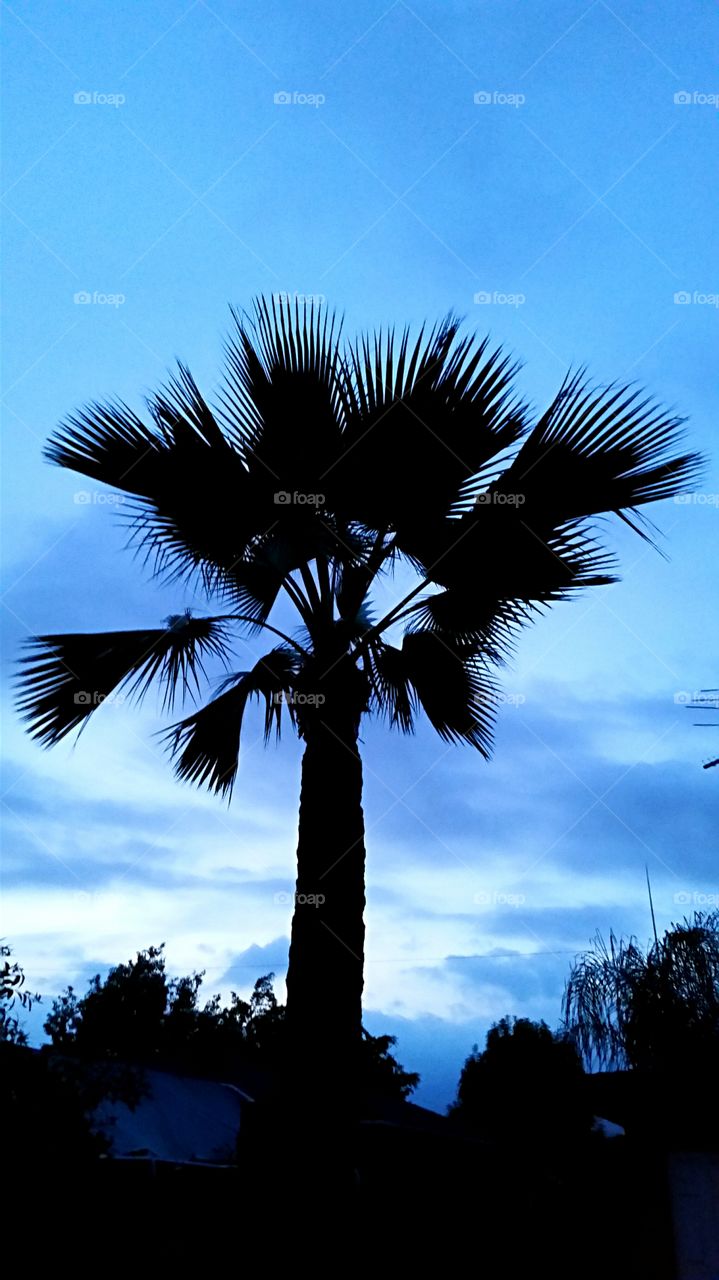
484, 624
66, 678
598, 450
192, 508
206, 744
273, 681
422, 419
108, 442
357, 559
182, 410
454, 688
392, 692
497, 570
626, 1006
445, 679
281, 399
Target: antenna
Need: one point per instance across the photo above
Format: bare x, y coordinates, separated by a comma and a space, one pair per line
651, 905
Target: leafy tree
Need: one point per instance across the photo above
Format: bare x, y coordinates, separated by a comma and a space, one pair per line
12, 994
139, 1014
526, 1087
656, 1009
323, 469
63, 1020
381, 1071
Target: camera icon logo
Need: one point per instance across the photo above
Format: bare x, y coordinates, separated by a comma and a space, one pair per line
282, 98
282, 498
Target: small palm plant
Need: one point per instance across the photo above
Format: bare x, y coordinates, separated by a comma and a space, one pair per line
323, 468
653, 1009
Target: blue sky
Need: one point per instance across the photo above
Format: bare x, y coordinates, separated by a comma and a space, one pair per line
150, 170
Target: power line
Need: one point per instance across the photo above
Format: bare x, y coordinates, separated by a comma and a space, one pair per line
410, 960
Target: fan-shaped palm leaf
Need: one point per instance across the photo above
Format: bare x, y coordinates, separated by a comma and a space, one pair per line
66, 678
421, 420
284, 369
596, 450
206, 744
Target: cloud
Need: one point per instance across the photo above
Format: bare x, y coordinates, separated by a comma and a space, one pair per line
255, 961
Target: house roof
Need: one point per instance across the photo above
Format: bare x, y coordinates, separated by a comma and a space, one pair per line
189, 1120
181, 1119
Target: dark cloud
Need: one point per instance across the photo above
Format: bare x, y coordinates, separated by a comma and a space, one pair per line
254, 961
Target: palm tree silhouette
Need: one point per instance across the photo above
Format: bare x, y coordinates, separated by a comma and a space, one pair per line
323, 468
652, 1008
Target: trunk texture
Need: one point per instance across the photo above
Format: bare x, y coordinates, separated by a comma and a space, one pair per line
325, 976
304, 1138
321, 1084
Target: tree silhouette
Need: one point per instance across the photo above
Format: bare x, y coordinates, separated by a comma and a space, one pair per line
12, 994
138, 1014
323, 468
525, 1088
656, 1009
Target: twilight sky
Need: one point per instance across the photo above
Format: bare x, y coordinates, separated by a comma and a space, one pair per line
152, 177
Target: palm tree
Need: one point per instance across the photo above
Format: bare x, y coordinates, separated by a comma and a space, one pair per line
323, 467
653, 1009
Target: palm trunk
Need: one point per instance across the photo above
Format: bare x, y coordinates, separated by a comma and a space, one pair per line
325, 976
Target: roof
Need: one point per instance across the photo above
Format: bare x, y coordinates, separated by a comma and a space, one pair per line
181, 1119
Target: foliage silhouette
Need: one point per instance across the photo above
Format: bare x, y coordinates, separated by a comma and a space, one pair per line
12, 993
139, 1014
654, 1010
47, 1101
324, 467
525, 1089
